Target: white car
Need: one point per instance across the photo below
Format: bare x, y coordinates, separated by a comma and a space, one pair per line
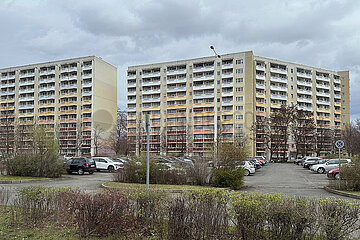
105, 163
331, 164
248, 167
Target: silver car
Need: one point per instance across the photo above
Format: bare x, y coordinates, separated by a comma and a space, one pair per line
248, 167
331, 164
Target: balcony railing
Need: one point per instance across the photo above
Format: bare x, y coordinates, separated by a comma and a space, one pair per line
278, 79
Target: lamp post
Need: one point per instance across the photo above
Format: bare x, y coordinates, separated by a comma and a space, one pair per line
215, 105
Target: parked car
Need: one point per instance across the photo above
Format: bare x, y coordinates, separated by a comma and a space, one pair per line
313, 161
81, 165
248, 167
120, 161
105, 163
298, 161
261, 159
333, 174
330, 164
256, 163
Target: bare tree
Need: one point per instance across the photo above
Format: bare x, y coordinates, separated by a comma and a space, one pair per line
351, 137
303, 131
117, 140
97, 137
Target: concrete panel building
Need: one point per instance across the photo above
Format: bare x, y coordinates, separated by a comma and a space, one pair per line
193, 102
70, 98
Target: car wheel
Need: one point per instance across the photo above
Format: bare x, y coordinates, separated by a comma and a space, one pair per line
321, 170
91, 172
80, 171
247, 172
98, 170
337, 176
69, 172
111, 169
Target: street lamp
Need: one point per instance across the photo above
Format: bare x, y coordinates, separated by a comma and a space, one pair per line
215, 106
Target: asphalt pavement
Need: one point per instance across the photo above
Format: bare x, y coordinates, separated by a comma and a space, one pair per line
289, 179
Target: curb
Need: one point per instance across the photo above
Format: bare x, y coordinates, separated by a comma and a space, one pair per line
22, 181
341, 193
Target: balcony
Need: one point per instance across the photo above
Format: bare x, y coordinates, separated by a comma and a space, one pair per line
27, 106
337, 89
203, 86
278, 70
151, 74
304, 108
303, 83
177, 71
261, 86
279, 97
227, 94
227, 75
87, 67
47, 80
306, 100
150, 83
322, 78
278, 88
227, 66
203, 69
131, 100
323, 86
48, 96
131, 77
87, 75
322, 94
28, 74
337, 96
304, 75
227, 103
261, 77
145, 100
177, 80
132, 93
131, 84
70, 103
7, 93
226, 84
207, 95
68, 86
86, 93
304, 91
26, 90
24, 83
337, 81
260, 67
4, 77
26, 98
176, 89
278, 79
323, 102
204, 77
151, 91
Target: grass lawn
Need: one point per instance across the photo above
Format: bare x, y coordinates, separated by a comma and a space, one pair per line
12, 178
155, 186
357, 193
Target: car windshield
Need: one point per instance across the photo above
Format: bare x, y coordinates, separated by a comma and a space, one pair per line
89, 160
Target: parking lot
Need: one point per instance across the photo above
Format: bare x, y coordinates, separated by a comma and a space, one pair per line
285, 178
289, 179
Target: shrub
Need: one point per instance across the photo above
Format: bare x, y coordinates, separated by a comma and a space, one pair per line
338, 218
200, 173
199, 215
350, 175
229, 177
99, 214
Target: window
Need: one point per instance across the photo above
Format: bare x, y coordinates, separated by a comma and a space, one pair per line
218, 82
239, 70
292, 70
190, 84
190, 75
218, 100
164, 70
190, 110
239, 126
239, 89
239, 117
292, 87
218, 91
218, 73
218, 64
239, 99
239, 108
239, 80
239, 61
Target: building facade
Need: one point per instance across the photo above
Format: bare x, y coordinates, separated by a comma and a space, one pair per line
194, 103
74, 99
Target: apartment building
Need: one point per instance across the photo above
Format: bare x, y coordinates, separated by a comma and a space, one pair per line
194, 102
71, 98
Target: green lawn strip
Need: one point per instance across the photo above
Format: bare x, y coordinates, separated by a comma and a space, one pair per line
17, 178
155, 186
352, 192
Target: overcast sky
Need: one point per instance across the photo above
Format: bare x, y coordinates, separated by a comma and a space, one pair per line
319, 33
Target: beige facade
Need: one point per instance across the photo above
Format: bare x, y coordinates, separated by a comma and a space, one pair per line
71, 98
194, 102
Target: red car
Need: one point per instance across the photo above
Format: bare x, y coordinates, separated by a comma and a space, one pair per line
333, 173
